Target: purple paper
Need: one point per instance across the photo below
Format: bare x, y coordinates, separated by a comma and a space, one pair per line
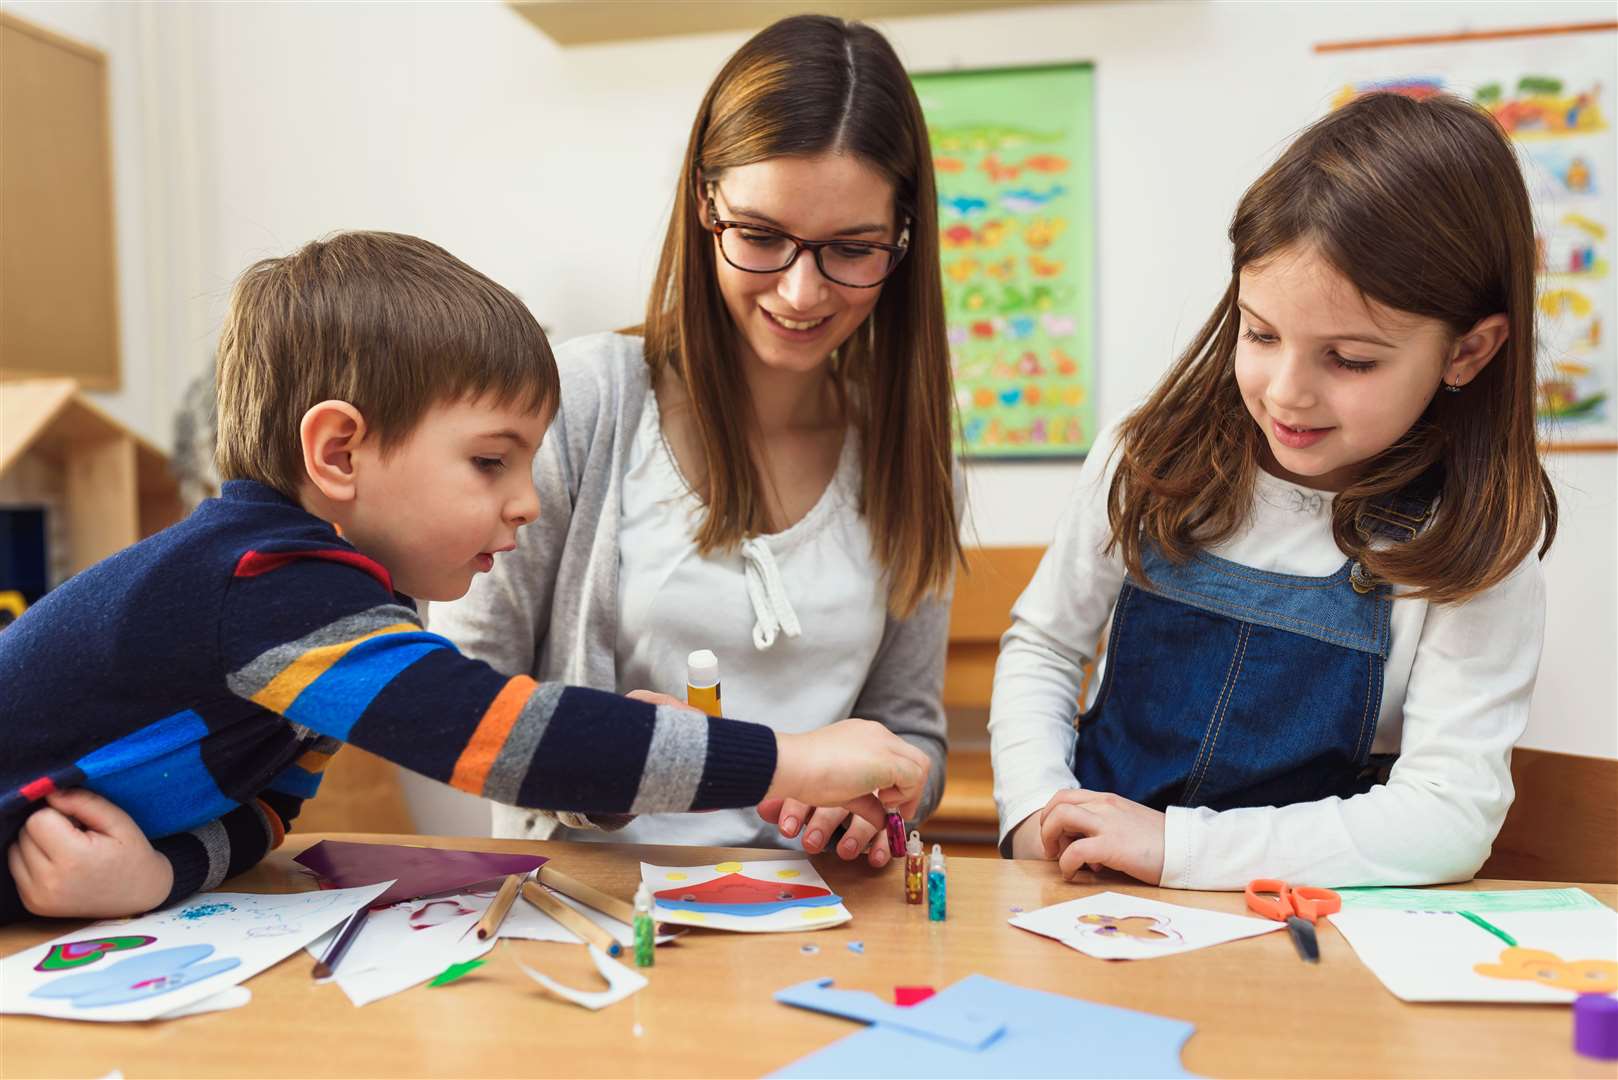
419, 871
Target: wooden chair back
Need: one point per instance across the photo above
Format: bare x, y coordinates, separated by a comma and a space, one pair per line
1563, 825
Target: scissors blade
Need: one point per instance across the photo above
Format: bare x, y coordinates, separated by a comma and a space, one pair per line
1304, 939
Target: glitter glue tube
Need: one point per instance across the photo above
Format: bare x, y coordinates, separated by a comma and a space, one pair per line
644, 931
896, 833
915, 871
702, 682
936, 885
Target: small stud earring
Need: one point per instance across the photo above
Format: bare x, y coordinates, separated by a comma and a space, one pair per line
1450, 388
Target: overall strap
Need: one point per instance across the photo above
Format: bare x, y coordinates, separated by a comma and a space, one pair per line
1397, 518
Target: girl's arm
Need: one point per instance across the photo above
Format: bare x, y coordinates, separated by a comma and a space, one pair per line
1055, 625
1435, 819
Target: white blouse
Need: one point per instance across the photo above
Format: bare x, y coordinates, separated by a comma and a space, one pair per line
1455, 697
795, 617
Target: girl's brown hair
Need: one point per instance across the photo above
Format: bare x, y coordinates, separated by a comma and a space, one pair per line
805, 86
1420, 204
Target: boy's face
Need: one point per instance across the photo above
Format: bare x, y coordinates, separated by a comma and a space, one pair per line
444, 502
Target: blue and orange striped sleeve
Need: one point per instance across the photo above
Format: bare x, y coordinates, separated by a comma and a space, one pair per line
324, 644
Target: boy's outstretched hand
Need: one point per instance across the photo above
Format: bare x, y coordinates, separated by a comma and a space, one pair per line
83, 857
844, 763
1098, 828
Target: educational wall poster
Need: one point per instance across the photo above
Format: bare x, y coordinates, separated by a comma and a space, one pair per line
1013, 153
1552, 89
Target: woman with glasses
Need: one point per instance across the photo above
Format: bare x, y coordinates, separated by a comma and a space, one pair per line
764, 468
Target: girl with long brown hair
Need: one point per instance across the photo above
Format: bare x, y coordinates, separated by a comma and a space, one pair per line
1317, 543
764, 468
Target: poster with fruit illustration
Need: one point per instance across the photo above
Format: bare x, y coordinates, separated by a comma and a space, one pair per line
1552, 90
1013, 157
752, 897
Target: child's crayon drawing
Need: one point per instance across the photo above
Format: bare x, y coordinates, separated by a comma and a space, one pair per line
138, 978
1144, 928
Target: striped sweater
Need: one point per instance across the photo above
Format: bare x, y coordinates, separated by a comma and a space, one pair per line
202, 678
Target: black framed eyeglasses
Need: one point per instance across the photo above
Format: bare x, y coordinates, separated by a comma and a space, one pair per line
763, 249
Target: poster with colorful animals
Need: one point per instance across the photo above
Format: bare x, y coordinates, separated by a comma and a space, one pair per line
1443, 956
1112, 926
751, 897
146, 967
1553, 92
1013, 156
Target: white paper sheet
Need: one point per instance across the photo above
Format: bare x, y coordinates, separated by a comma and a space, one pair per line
752, 897
406, 944
1441, 956
621, 982
1112, 926
158, 964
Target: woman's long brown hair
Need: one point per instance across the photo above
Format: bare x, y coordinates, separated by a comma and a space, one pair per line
1420, 204
805, 86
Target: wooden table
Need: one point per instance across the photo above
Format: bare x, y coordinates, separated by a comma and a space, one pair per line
708, 1011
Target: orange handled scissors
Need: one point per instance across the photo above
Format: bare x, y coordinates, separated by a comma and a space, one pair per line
1299, 908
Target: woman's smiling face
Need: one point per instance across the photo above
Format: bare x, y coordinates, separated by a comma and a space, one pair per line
793, 319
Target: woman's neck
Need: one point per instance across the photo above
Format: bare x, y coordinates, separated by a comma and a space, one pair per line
785, 401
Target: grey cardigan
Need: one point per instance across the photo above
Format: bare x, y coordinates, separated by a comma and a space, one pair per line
550, 608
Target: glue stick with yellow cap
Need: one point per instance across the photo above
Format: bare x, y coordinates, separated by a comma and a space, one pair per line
702, 682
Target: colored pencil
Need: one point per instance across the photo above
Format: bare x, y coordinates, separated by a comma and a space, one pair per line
535, 894
1489, 926
326, 966
489, 925
588, 895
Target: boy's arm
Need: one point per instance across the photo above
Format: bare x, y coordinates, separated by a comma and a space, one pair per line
233, 844
324, 644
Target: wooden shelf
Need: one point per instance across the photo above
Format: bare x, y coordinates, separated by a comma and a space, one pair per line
591, 22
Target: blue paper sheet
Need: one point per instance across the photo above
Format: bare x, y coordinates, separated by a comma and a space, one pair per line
1045, 1035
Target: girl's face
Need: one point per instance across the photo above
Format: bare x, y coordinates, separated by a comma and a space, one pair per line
1334, 378
792, 319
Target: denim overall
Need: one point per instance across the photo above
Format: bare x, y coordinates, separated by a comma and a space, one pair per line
1228, 686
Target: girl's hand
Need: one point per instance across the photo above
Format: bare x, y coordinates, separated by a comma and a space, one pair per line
1025, 839
83, 857
818, 823
1098, 828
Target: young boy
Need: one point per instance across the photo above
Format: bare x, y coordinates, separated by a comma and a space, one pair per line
380, 404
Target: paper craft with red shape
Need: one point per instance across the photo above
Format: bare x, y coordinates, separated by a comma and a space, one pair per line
415, 871
72, 954
738, 894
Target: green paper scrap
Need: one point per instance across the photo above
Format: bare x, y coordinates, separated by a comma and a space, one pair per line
455, 971
1457, 900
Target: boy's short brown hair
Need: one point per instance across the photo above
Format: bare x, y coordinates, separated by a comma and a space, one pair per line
389, 323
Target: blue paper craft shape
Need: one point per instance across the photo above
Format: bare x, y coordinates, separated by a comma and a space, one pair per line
1036, 1034
137, 978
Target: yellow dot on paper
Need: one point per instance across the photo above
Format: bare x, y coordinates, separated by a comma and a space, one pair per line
729, 868
691, 916
815, 914
786, 873
674, 875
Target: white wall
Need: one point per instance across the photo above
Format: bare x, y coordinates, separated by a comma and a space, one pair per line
257, 126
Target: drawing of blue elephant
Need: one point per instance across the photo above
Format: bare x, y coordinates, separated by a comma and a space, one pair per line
138, 978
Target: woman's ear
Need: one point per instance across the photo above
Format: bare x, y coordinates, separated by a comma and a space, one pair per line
329, 434
1475, 348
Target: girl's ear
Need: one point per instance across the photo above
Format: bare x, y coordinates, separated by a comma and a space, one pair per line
329, 434
1475, 348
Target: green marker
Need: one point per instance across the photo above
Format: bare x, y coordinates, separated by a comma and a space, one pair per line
1489, 926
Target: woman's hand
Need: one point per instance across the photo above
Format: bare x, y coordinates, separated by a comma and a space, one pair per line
1098, 828
866, 826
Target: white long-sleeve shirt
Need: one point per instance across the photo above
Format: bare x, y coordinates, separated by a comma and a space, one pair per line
1456, 690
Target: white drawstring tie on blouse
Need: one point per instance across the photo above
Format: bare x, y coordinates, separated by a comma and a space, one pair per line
768, 593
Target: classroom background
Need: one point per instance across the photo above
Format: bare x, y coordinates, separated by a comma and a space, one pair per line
243, 130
